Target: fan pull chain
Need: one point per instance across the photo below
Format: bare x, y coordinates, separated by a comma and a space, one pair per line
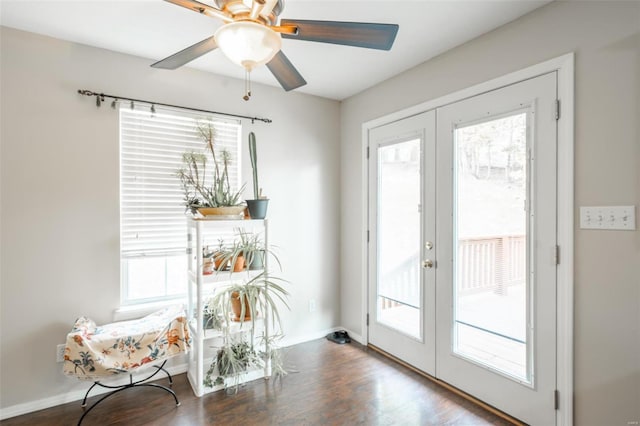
247, 85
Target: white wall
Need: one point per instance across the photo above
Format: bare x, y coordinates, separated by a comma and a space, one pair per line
606, 39
59, 195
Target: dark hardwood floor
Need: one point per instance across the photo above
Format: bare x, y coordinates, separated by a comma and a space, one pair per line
334, 384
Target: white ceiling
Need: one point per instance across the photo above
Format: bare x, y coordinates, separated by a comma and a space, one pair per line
155, 29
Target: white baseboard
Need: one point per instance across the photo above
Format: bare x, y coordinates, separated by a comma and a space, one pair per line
64, 398
77, 395
355, 336
287, 342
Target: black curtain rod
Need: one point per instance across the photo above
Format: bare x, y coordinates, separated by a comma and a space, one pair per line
101, 96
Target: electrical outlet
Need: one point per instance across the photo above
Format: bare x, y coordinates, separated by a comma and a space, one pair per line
312, 305
60, 352
608, 217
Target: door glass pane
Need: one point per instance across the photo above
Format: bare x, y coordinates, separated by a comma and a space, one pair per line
490, 234
398, 297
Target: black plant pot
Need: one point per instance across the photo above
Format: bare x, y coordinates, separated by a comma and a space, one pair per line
258, 208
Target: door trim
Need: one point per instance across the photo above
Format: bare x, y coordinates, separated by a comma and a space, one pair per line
564, 65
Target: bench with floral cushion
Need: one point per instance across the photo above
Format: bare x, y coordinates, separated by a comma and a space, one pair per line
96, 352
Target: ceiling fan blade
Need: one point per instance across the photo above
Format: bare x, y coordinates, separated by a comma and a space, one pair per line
284, 71
187, 55
202, 8
359, 34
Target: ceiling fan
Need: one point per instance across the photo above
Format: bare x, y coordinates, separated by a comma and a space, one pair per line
251, 36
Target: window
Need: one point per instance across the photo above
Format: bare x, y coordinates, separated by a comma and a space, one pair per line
152, 215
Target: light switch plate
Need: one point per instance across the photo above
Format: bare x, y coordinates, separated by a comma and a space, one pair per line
60, 352
608, 217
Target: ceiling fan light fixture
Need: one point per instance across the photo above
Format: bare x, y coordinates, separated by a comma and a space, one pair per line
247, 43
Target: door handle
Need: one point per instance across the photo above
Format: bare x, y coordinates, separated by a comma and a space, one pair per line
427, 263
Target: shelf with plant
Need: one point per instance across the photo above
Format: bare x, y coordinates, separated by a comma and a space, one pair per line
243, 258
225, 276
249, 247
241, 303
215, 332
241, 341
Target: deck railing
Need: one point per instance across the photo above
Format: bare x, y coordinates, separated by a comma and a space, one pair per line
491, 263
483, 264
402, 284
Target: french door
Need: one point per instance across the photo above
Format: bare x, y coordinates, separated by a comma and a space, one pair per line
401, 300
462, 252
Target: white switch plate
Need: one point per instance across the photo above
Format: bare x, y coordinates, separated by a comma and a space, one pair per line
608, 217
60, 352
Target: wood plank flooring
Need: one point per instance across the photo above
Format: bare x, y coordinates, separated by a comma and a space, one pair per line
332, 385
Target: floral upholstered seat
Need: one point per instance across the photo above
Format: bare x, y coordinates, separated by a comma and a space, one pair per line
93, 352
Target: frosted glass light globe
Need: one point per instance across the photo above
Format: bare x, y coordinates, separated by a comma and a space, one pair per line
248, 44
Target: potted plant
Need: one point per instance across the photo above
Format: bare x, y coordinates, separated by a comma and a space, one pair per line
216, 198
231, 361
248, 251
220, 256
252, 248
211, 318
258, 206
255, 252
235, 257
207, 261
241, 307
261, 293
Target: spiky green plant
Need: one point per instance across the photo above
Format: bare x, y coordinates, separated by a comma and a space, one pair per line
193, 175
250, 246
263, 293
254, 164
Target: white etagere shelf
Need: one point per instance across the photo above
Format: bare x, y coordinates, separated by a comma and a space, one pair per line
202, 232
230, 382
235, 328
225, 276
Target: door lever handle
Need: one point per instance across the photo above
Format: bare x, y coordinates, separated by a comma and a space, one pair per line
427, 264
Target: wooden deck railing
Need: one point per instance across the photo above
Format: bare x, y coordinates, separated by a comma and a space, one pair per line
402, 284
483, 264
491, 263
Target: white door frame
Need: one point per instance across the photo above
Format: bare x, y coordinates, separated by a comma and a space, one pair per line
564, 65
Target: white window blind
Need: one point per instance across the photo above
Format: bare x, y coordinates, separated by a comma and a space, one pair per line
152, 211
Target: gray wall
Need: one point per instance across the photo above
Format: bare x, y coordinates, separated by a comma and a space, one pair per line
606, 39
60, 189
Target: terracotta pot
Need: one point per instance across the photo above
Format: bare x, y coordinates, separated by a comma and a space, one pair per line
239, 265
207, 266
218, 258
236, 307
